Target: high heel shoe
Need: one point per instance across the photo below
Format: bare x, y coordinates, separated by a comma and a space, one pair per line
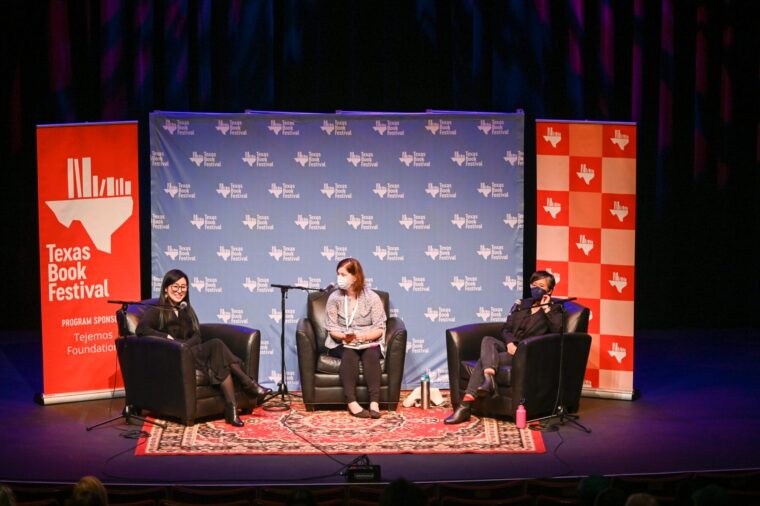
461, 414
231, 416
253, 389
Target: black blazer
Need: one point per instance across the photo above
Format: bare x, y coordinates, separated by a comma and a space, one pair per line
180, 327
521, 323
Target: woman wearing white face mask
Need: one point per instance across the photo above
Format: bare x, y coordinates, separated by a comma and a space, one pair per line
355, 322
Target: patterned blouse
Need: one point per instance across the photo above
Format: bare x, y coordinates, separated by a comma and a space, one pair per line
370, 315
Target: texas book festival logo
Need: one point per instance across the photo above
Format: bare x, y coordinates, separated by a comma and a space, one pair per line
102, 205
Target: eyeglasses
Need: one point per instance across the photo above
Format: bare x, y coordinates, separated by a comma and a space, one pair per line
178, 288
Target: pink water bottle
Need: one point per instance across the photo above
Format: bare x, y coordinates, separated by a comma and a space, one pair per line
520, 417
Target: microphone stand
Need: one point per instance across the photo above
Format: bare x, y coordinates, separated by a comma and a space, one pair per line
559, 411
282, 385
121, 322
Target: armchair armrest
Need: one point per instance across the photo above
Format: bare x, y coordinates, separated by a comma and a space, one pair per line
395, 352
306, 347
395, 339
464, 340
542, 353
159, 374
243, 342
463, 343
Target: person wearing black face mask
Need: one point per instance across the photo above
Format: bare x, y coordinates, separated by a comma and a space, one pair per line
529, 317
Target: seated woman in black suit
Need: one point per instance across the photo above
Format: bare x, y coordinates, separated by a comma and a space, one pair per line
176, 319
532, 316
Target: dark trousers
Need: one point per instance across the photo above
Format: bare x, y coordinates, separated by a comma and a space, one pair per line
493, 354
349, 370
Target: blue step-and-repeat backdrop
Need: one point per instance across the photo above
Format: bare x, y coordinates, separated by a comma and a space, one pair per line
431, 204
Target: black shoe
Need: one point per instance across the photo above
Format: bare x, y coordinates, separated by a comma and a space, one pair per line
488, 387
361, 414
461, 414
253, 389
374, 414
231, 416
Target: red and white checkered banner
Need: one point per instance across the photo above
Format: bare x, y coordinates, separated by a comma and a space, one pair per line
586, 236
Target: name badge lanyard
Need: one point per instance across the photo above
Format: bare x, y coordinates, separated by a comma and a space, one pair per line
349, 320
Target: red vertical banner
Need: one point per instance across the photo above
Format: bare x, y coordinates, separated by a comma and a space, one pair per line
586, 205
89, 253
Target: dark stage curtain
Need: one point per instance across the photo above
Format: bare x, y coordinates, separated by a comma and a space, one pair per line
685, 71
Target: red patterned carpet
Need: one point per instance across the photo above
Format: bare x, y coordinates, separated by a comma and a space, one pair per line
297, 431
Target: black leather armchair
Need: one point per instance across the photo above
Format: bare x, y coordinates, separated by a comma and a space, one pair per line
320, 382
160, 376
533, 375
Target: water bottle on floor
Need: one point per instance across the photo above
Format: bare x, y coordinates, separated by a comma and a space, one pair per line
425, 391
521, 416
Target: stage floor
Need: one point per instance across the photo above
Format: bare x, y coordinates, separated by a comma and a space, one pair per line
698, 411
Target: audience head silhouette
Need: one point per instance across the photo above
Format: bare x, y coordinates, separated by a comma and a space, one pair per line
7, 498
641, 499
88, 491
710, 495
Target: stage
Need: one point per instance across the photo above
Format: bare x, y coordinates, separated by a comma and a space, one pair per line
697, 411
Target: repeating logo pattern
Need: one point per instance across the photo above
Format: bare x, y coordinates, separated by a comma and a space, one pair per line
586, 209
432, 205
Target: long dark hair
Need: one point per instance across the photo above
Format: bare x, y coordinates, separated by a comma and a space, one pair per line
354, 268
170, 278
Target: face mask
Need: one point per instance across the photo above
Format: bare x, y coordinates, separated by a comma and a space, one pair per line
537, 292
343, 283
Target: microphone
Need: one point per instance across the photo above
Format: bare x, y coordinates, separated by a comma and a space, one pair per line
329, 287
562, 301
125, 302
284, 288
552, 303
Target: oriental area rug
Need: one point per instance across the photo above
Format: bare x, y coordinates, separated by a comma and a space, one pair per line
301, 432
